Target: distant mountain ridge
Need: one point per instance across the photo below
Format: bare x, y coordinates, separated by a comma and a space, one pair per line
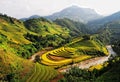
109, 32
74, 13
100, 23
107, 19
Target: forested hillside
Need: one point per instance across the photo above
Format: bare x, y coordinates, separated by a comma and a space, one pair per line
109, 33
76, 28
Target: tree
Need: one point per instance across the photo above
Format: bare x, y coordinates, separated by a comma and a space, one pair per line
37, 58
87, 37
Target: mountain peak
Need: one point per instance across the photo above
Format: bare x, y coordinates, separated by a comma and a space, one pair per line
74, 6
76, 13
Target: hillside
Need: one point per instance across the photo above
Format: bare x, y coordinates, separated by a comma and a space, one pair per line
11, 28
15, 47
109, 33
76, 13
110, 18
96, 24
44, 27
76, 28
17, 69
116, 46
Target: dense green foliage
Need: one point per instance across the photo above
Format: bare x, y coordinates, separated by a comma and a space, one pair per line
33, 24
96, 24
109, 32
48, 41
116, 47
112, 74
9, 19
78, 75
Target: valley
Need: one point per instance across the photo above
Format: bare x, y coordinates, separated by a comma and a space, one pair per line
73, 45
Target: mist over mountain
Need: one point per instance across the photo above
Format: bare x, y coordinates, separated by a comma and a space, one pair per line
110, 18
76, 13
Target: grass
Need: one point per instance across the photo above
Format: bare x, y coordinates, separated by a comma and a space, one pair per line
82, 42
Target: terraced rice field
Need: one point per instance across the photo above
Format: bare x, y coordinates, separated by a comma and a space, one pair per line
73, 52
42, 73
65, 56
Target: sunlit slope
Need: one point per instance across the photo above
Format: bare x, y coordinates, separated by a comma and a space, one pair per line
14, 30
12, 67
44, 27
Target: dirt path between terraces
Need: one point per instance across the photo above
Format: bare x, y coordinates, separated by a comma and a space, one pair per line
41, 52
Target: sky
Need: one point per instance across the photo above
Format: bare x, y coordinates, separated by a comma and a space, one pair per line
26, 8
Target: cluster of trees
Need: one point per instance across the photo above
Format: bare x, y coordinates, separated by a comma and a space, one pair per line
35, 25
78, 75
109, 32
8, 19
26, 50
116, 46
54, 40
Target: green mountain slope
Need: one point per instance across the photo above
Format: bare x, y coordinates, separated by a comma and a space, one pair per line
13, 29
109, 32
44, 27
76, 28
14, 46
